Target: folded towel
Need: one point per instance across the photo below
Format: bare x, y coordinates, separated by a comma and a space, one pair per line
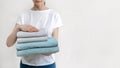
33, 39
41, 33
51, 42
37, 50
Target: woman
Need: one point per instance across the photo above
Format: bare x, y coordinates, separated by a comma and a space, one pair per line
32, 21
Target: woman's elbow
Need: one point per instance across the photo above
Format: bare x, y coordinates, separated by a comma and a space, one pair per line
9, 43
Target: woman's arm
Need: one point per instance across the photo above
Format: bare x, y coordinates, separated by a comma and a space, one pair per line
55, 35
13, 36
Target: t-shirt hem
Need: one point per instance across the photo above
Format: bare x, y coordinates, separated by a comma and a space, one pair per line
39, 64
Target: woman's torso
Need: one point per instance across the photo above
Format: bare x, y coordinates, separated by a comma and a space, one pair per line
39, 19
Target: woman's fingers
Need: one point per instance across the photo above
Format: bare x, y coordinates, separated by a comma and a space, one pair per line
29, 28
33, 29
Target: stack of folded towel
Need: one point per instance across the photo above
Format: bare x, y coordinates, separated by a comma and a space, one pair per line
35, 42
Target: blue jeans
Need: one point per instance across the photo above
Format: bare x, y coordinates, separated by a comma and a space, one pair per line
45, 66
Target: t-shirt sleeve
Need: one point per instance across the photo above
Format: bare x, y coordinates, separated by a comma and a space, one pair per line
19, 20
58, 21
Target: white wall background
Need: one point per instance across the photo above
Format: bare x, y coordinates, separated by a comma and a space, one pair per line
90, 37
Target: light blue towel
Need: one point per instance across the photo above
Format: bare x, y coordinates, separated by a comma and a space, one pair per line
51, 42
38, 51
41, 33
33, 39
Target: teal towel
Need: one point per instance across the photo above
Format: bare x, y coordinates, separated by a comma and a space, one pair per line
41, 33
37, 51
51, 42
32, 39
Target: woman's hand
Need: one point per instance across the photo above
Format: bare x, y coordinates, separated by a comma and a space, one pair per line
28, 28
13, 36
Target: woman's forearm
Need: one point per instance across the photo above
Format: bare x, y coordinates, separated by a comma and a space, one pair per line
55, 33
13, 36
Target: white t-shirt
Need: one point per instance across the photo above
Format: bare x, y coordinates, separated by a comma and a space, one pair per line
48, 19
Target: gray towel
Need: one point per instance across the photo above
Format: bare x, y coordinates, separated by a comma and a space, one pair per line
33, 39
41, 33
